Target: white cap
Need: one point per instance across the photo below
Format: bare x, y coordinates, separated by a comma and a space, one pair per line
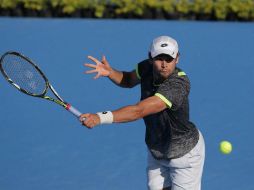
164, 45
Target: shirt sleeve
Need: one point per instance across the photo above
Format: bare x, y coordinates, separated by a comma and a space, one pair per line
137, 71
174, 91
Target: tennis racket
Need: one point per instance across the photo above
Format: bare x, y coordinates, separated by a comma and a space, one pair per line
22, 73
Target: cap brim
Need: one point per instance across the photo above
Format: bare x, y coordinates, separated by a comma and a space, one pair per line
171, 54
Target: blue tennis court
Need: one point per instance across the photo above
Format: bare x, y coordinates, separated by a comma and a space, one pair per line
44, 147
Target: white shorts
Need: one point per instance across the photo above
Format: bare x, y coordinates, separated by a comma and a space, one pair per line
182, 173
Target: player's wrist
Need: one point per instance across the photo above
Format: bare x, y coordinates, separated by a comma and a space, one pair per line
106, 117
110, 71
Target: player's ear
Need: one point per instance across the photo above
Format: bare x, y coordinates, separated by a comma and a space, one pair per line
177, 57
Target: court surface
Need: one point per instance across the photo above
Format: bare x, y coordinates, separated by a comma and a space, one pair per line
44, 147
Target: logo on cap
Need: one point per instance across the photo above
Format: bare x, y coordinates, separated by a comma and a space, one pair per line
164, 45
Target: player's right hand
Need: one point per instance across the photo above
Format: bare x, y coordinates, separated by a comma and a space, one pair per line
89, 120
102, 68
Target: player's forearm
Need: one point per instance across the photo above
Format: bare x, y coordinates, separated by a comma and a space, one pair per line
116, 76
127, 114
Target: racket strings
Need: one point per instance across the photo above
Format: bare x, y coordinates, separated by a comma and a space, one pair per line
24, 74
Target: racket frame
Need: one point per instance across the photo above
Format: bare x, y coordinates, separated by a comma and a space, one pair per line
59, 100
17, 86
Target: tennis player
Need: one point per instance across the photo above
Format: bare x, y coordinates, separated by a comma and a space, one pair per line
176, 149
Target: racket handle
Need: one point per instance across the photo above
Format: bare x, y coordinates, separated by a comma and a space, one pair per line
73, 110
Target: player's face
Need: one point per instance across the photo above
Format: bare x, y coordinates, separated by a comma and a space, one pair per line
164, 65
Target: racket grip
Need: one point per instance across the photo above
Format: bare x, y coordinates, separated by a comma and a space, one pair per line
73, 110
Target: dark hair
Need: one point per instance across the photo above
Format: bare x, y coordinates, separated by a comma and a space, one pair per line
149, 55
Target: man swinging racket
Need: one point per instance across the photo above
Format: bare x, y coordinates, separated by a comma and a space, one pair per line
176, 149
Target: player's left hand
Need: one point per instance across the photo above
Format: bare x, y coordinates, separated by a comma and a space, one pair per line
102, 68
89, 120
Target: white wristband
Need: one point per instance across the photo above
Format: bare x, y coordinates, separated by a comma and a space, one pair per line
106, 117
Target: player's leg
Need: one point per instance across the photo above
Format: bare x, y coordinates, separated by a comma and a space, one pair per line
158, 176
186, 172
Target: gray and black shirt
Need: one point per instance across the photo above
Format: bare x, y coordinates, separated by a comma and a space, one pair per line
169, 133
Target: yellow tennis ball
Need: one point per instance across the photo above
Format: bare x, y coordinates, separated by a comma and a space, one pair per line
225, 147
